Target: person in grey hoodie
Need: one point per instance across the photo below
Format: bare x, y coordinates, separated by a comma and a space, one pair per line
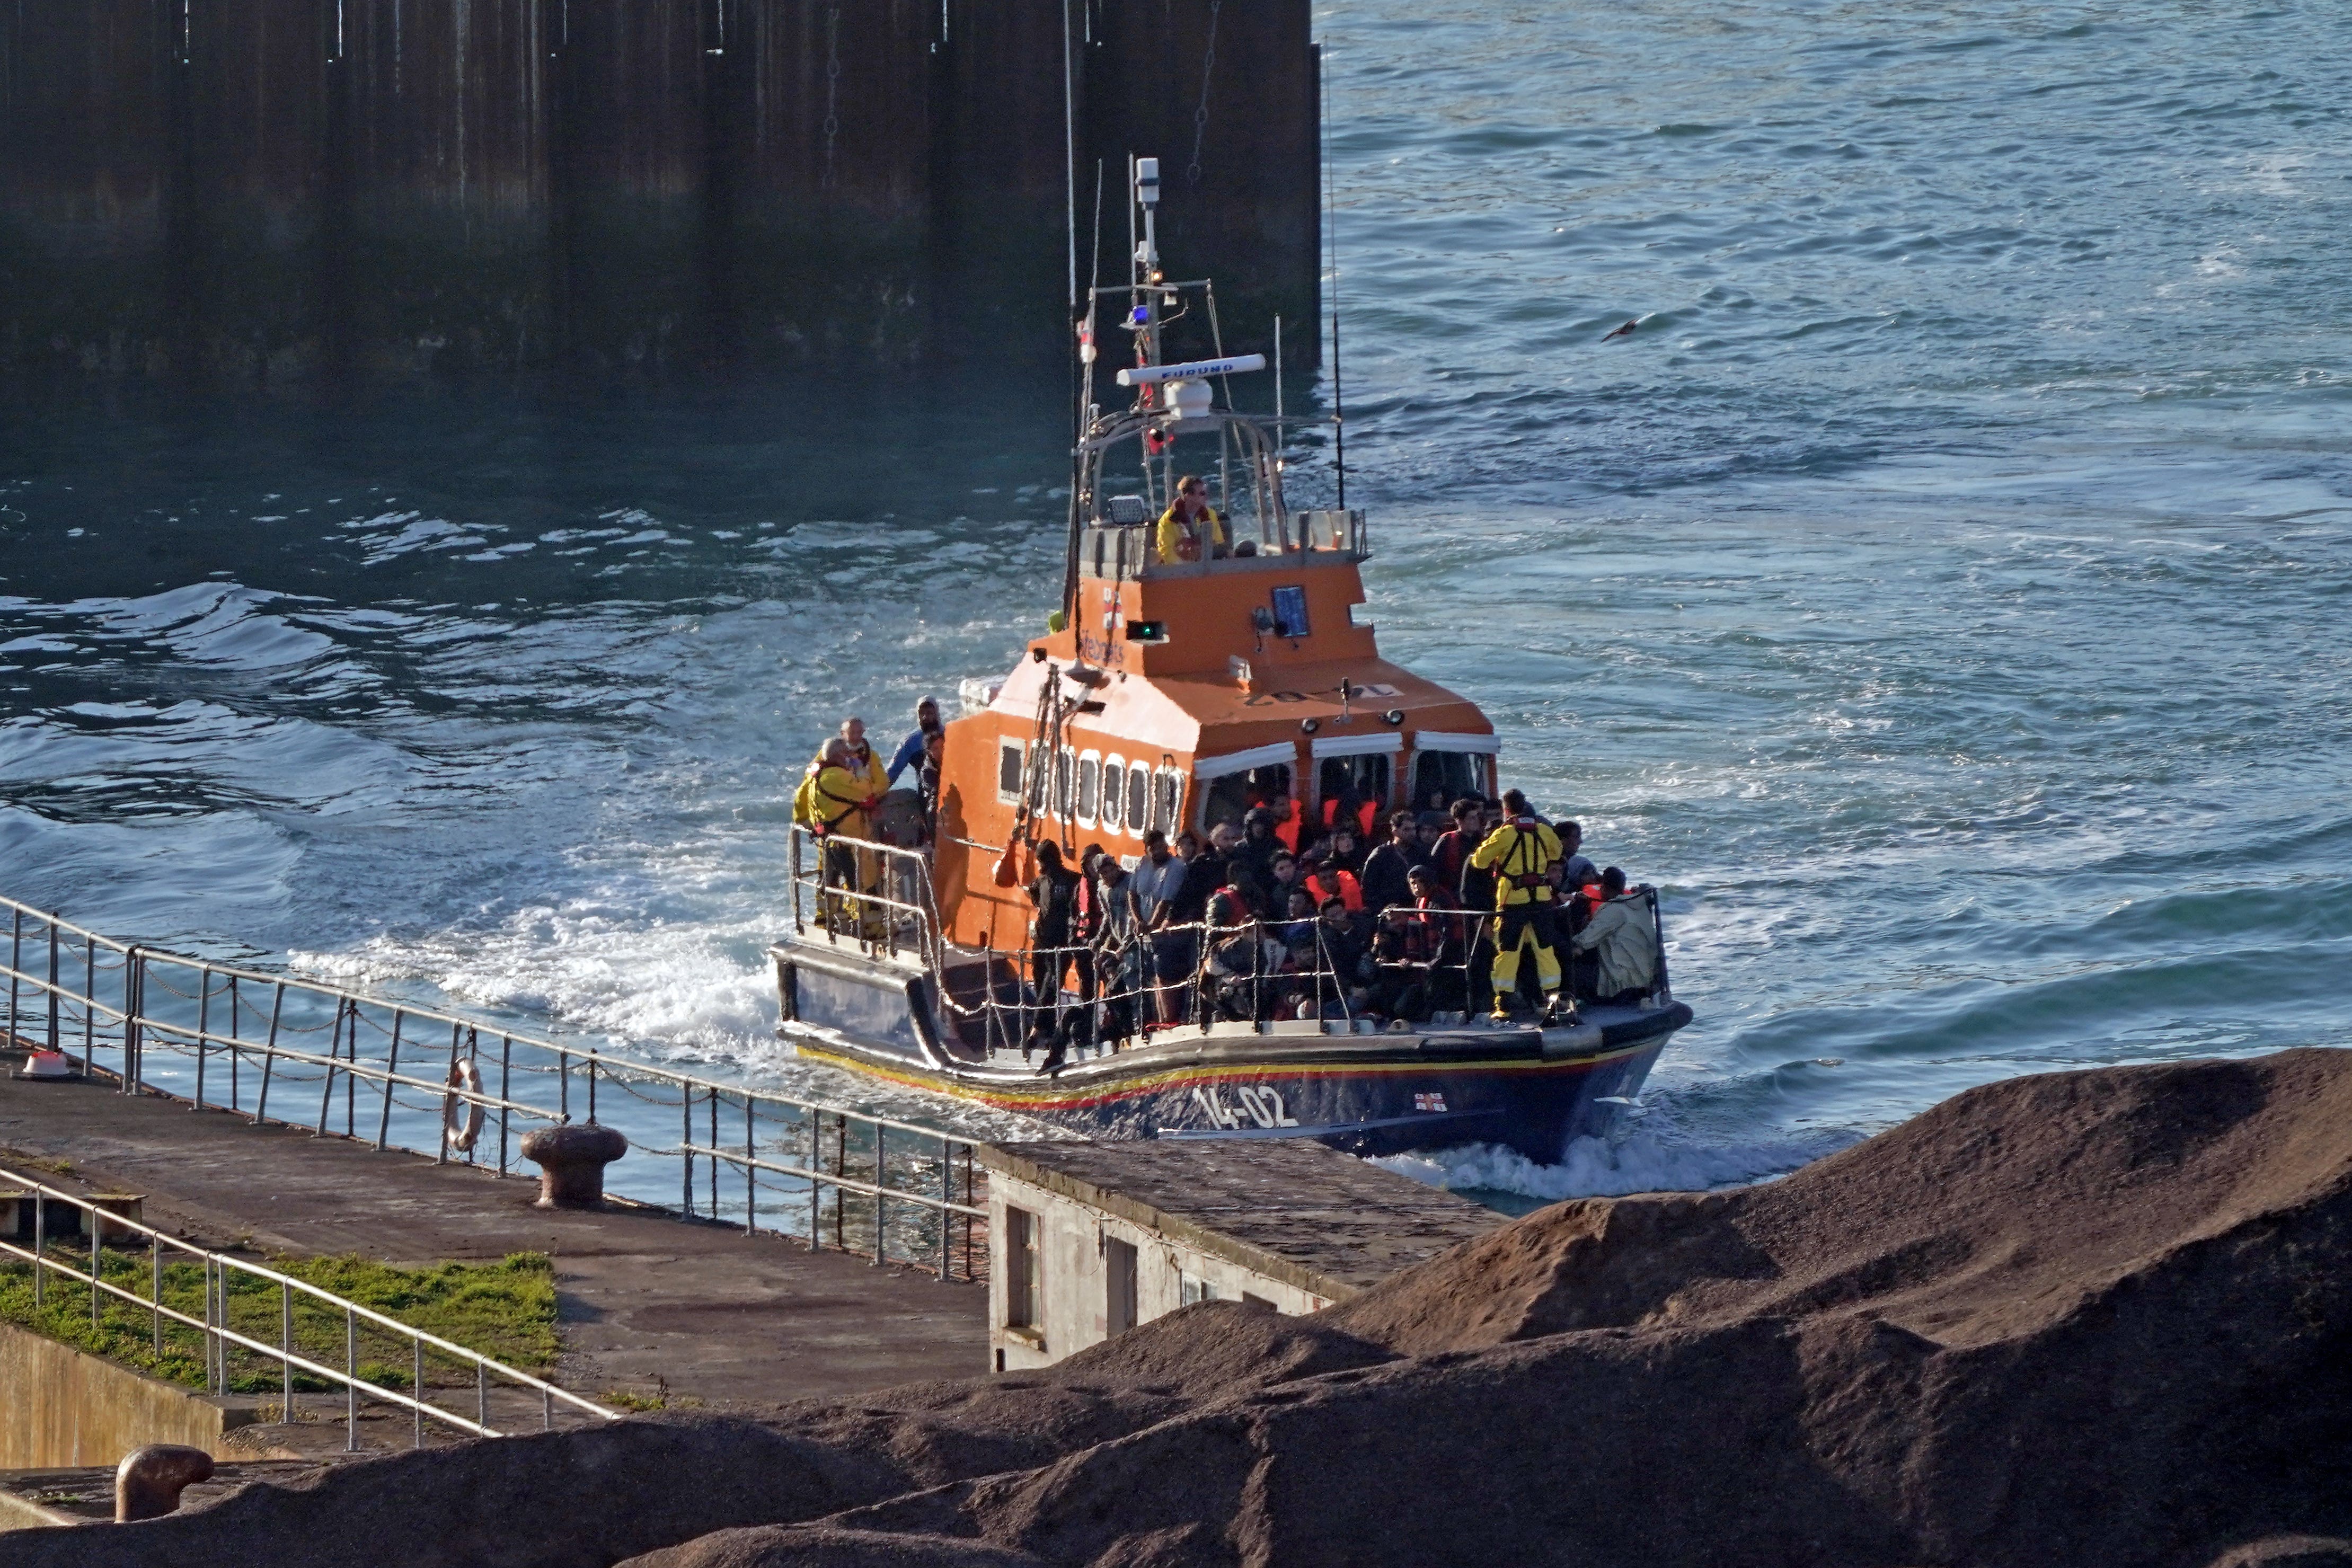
1626, 943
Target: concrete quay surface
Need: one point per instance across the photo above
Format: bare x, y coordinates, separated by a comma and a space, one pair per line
645, 1300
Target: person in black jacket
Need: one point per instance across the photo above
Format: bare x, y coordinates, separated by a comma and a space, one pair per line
1055, 895
1389, 864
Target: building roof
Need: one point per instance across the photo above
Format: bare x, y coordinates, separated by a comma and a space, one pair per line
1287, 1208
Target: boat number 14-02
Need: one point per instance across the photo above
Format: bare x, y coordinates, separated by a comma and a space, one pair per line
1262, 1106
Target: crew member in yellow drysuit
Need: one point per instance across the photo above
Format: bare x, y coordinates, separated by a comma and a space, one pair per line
834, 804
1523, 854
1191, 523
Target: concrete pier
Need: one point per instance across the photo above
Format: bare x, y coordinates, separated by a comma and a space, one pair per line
645, 1300
265, 192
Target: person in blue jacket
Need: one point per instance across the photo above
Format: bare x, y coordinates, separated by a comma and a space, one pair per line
911, 750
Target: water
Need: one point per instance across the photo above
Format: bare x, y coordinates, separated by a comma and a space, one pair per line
1939, 593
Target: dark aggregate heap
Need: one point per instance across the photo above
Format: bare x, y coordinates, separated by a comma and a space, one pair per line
2093, 1318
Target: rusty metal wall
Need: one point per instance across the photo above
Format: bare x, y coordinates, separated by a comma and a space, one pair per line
268, 193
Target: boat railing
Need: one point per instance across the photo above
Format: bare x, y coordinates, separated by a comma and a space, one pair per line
284, 1048
875, 897
1102, 994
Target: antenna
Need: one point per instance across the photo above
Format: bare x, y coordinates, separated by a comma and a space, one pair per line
1332, 239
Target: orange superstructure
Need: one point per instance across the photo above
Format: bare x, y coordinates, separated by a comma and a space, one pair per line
1186, 693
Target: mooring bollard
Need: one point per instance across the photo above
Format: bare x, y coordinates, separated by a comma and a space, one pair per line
572, 1162
148, 1483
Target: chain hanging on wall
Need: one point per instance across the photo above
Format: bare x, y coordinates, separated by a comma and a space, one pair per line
832, 91
1200, 115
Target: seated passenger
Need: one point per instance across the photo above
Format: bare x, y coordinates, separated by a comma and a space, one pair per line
1191, 529
1338, 963
1245, 974
1624, 941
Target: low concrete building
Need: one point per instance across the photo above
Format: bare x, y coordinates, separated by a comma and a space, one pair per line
1093, 1238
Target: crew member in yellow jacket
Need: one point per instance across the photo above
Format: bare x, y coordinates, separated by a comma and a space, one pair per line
1523, 854
1191, 529
835, 805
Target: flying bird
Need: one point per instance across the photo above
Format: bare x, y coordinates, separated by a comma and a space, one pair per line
1624, 332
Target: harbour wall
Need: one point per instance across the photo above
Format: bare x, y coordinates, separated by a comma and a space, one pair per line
265, 192
65, 1407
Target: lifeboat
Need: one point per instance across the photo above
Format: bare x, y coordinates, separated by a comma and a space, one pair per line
1178, 691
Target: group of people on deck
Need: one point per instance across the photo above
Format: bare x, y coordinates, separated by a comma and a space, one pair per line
1393, 919
843, 789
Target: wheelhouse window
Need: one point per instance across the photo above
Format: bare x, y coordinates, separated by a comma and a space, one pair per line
1065, 778
1168, 801
1139, 797
1353, 787
1442, 778
1089, 789
1231, 796
1008, 771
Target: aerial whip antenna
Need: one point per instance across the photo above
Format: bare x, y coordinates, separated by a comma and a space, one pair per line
1331, 240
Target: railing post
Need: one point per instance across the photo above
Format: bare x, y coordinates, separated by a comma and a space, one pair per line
156, 1288
750, 1171
89, 1009
53, 991
391, 1066
946, 1196
686, 1148
15, 964
286, 1349
234, 1008
714, 1154
203, 1027
91, 1220
334, 1053
132, 1019
817, 1189
350, 1381
506, 1069
879, 1167
417, 1390
563, 1085
481, 1394
269, 1055
449, 1077
592, 1091
212, 1340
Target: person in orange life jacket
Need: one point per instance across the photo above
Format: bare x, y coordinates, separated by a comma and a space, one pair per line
1522, 855
1287, 822
911, 750
1189, 530
1326, 881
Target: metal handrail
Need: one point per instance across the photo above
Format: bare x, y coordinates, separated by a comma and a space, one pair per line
218, 1335
132, 1027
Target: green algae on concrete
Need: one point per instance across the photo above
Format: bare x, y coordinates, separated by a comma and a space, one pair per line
505, 1311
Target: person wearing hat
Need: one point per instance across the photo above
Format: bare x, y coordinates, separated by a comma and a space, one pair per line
1191, 529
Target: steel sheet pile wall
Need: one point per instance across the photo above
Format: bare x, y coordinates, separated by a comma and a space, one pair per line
290, 191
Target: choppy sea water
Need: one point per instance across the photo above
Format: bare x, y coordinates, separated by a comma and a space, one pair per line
1941, 593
